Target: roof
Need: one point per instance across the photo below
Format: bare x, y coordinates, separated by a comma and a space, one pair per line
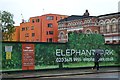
109, 14
47, 15
53, 14
74, 17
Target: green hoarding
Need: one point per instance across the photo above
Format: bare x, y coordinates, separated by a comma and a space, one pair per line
78, 52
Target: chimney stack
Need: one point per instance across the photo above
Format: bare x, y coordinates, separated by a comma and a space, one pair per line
86, 14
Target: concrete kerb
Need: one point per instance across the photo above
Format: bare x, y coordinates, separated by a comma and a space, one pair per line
63, 74
22, 71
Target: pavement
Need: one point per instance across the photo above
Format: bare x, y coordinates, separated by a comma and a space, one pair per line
53, 73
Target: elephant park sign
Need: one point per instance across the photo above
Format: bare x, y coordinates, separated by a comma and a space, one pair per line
73, 55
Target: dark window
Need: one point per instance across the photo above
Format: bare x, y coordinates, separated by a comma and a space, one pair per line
50, 40
27, 35
27, 28
33, 34
32, 28
50, 25
114, 41
47, 33
33, 21
49, 17
56, 18
60, 17
96, 32
51, 32
47, 40
37, 39
23, 29
107, 42
37, 20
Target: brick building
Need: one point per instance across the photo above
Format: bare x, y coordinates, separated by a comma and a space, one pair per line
84, 24
110, 27
107, 25
41, 28
16, 34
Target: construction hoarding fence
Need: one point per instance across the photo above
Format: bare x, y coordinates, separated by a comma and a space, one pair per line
78, 52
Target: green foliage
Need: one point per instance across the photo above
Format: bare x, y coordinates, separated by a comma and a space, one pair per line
80, 41
116, 49
45, 53
85, 41
7, 26
16, 58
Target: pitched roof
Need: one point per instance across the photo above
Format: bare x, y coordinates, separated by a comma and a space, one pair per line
74, 17
109, 14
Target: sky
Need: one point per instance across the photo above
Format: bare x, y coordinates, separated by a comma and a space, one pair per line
31, 8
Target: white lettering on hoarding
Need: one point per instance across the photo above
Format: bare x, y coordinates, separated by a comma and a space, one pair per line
70, 55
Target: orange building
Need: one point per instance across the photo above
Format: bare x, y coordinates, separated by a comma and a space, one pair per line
41, 28
16, 34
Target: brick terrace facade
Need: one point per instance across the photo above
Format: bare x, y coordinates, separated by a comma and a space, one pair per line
107, 25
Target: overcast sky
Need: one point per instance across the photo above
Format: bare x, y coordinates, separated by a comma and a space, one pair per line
31, 8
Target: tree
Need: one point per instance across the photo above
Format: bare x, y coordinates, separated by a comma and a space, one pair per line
85, 41
7, 25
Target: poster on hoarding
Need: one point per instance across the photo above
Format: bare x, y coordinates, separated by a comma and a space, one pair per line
8, 55
8, 50
28, 56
